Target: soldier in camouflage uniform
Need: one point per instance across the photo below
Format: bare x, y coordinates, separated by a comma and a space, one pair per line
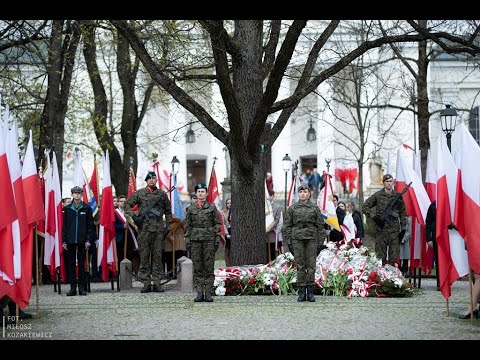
303, 228
387, 239
203, 234
150, 240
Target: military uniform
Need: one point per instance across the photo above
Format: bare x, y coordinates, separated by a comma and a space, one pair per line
203, 232
389, 235
150, 239
303, 228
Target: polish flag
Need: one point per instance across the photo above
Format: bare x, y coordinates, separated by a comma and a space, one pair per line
8, 213
53, 246
107, 257
20, 292
163, 178
80, 179
452, 256
431, 177
214, 198
416, 198
19, 226
467, 205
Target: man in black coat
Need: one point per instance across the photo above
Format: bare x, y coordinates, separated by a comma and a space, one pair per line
78, 235
430, 224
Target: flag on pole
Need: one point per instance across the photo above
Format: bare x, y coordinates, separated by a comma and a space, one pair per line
132, 187
106, 256
8, 214
467, 205
452, 256
93, 191
20, 292
80, 179
214, 198
325, 203
431, 177
20, 225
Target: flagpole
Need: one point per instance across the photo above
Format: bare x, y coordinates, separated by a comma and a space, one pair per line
37, 273
471, 295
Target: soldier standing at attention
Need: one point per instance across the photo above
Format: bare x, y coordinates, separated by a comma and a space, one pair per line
393, 228
153, 203
78, 235
303, 228
203, 233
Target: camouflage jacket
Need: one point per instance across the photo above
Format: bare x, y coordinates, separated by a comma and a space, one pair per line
380, 201
154, 221
203, 223
303, 222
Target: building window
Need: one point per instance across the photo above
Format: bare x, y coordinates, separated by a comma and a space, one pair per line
473, 124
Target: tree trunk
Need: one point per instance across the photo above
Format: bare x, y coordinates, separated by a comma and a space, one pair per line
248, 215
422, 104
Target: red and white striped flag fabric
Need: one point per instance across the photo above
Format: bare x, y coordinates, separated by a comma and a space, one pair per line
431, 177
19, 226
214, 198
416, 198
132, 187
107, 257
467, 205
326, 205
8, 213
452, 256
20, 292
53, 246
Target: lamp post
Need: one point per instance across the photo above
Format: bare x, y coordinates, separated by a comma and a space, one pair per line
328, 161
175, 167
448, 118
286, 163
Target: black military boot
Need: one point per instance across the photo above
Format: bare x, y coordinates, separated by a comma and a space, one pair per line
301, 294
208, 296
310, 296
73, 290
81, 290
146, 288
156, 288
199, 297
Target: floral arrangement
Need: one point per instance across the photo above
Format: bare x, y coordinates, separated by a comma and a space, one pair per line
343, 269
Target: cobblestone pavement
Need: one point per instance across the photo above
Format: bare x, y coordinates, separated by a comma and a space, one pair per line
128, 314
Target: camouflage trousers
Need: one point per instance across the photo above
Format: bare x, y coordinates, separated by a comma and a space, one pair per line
150, 246
387, 246
305, 258
203, 258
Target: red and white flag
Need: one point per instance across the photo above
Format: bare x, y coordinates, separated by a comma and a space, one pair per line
467, 205
416, 198
214, 198
452, 256
431, 177
53, 237
107, 257
8, 213
20, 292
19, 226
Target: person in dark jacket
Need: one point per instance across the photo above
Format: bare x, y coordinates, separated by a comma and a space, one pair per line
78, 235
357, 219
430, 224
336, 235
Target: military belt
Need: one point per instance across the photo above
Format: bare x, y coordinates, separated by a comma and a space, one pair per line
303, 225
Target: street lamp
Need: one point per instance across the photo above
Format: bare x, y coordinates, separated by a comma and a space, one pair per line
311, 134
190, 136
286, 163
448, 118
175, 167
328, 161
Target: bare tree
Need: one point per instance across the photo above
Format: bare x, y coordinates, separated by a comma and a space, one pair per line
250, 63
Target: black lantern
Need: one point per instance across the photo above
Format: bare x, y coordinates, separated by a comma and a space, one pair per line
448, 118
286, 163
190, 136
175, 165
311, 134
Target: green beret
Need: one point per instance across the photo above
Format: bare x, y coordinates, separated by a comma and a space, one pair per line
201, 186
150, 175
77, 189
